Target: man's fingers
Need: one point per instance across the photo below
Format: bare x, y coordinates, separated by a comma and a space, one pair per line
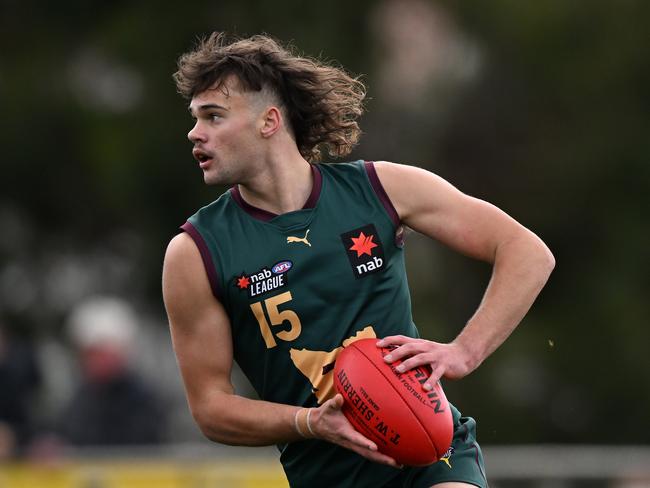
349, 433
437, 373
350, 438
405, 350
361, 441
334, 403
374, 456
392, 340
415, 361
337, 402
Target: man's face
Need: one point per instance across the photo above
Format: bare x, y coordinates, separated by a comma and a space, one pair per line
226, 137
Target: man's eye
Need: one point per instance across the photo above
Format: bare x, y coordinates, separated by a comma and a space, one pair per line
214, 117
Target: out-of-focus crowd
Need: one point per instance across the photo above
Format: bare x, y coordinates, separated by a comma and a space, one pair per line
85, 389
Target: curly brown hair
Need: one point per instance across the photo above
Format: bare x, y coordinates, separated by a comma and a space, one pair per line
322, 102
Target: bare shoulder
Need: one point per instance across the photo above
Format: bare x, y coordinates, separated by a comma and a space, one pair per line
180, 249
185, 282
182, 260
390, 169
413, 190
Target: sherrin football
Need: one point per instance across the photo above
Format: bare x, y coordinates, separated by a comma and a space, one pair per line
412, 425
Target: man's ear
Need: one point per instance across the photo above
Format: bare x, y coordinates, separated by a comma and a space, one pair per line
271, 121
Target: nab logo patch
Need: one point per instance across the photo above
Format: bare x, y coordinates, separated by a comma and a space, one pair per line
364, 250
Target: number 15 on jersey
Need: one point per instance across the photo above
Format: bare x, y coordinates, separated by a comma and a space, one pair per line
276, 317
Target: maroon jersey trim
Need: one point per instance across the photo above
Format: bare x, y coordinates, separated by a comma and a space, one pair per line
381, 193
210, 268
257, 213
315, 189
265, 215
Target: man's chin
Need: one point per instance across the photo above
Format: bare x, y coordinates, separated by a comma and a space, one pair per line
212, 179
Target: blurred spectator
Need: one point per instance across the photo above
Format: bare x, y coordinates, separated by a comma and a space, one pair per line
112, 405
19, 380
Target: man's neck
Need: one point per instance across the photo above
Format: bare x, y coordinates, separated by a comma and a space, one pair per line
282, 185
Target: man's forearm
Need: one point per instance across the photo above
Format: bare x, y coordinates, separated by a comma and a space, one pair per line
521, 268
235, 420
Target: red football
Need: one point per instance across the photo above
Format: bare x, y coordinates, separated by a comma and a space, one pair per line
408, 423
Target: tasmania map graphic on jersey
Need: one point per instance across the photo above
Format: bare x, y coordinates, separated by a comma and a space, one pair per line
318, 366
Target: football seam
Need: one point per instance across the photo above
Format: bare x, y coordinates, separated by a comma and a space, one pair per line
435, 449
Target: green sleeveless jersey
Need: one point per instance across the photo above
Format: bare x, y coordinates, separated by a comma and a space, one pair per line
299, 287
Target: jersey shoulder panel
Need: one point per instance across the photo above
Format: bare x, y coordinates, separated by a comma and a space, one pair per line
203, 228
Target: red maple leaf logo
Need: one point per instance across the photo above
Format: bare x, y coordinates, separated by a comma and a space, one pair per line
363, 244
243, 282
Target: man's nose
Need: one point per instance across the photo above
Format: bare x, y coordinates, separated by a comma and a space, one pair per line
196, 134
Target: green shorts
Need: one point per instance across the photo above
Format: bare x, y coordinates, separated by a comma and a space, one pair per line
463, 462
318, 464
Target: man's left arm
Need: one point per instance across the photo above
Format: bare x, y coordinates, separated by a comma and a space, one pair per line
521, 265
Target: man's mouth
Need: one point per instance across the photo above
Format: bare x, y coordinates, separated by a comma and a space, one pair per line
202, 157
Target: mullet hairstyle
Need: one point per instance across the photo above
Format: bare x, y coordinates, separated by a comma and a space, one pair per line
322, 103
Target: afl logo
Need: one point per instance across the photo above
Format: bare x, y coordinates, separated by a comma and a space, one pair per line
282, 267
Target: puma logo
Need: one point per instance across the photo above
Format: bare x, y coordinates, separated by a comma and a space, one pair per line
299, 239
447, 457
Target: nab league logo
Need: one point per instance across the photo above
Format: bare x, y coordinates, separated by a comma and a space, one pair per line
364, 250
265, 279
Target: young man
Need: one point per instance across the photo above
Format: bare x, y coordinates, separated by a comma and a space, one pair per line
299, 259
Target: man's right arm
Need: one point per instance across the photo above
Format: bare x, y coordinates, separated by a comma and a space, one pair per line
201, 335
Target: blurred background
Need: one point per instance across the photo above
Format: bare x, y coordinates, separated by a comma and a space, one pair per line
542, 108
